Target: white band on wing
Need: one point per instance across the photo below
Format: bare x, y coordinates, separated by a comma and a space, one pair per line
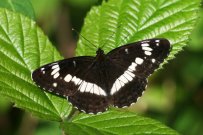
85, 86
126, 77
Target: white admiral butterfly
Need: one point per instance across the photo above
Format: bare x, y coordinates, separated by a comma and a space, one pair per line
117, 78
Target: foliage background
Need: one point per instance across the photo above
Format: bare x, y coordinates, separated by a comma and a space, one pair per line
175, 94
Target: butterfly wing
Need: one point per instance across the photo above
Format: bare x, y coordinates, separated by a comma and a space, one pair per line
136, 61
78, 79
146, 54
130, 93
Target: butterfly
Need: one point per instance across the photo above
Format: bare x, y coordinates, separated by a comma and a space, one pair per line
117, 78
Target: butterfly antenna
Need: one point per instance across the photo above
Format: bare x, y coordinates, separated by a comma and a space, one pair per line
84, 37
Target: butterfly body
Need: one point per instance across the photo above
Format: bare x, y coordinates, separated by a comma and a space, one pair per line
117, 78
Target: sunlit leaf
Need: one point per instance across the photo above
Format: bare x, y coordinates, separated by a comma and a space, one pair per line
21, 6
23, 48
119, 22
115, 123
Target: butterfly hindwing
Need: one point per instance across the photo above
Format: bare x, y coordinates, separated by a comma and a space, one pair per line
129, 93
89, 102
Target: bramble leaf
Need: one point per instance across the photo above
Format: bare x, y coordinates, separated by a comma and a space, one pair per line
116, 123
22, 6
23, 48
118, 22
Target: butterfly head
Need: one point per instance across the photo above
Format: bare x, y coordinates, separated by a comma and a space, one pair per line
100, 55
100, 52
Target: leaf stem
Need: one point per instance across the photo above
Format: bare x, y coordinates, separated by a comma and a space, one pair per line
73, 113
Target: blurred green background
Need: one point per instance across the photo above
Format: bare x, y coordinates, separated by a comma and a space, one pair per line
174, 95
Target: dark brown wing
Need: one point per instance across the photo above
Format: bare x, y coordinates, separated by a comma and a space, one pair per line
131, 65
77, 79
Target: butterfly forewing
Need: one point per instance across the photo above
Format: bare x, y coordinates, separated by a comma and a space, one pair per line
143, 56
91, 84
63, 77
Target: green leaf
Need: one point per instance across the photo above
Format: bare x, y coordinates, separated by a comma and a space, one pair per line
23, 48
115, 123
118, 22
21, 6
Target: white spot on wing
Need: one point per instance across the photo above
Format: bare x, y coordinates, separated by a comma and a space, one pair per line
130, 73
68, 78
75, 80
55, 66
132, 66
91, 88
56, 75
126, 50
52, 64
123, 79
144, 44
118, 85
132, 103
124, 106
145, 41
148, 53
102, 92
139, 60
147, 48
128, 76
153, 60
55, 70
113, 89
157, 40
122, 83
99, 112
55, 84
83, 86
74, 63
96, 89
83, 111
50, 90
